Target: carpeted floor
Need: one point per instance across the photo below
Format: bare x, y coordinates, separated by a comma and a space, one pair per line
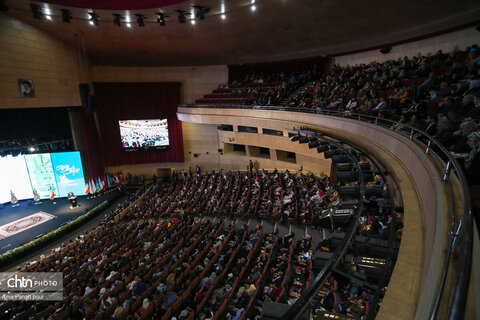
61, 210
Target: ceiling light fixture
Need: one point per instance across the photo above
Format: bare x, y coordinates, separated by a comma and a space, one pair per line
117, 20
182, 18
161, 18
36, 11
201, 11
66, 15
140, 18
93, 20
223, 16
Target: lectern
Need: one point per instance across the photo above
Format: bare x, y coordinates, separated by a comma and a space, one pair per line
73, 200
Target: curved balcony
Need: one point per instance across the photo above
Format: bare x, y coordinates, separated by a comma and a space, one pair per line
427, 282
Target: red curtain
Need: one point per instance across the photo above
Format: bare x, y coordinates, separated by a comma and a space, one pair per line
92, 145
115, 4
134, 101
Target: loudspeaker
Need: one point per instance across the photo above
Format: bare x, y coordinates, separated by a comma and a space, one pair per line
89, 102
195, 155
92, 104
386, 50
84, 93
220, 150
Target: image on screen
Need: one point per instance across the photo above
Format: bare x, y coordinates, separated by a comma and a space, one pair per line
144, 134
60, 172
41, 174
67, 167
14, 176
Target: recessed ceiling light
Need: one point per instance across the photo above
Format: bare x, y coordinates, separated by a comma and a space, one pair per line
224, 17
48, 17
129, 25
192, 21
253, 7
91, 23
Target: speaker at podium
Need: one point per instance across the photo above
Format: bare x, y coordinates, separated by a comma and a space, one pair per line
73, 200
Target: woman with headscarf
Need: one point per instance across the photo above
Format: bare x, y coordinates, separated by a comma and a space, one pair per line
472, 162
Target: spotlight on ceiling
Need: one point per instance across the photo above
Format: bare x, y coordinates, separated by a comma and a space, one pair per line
140, 18
201, 11
223, 16
182, 18
36, 11
117, 20
93, 20
66, 15
161, 18
3, 6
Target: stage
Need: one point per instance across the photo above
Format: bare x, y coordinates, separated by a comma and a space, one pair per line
23, 223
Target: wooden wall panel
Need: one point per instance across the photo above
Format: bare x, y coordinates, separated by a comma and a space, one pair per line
196, 81
29, 53
457, 40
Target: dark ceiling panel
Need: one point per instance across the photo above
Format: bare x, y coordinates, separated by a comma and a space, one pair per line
115, 4
276, 30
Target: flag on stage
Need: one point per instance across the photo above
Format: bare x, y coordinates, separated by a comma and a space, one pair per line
97, 185
87, 188
92, 187
52, 195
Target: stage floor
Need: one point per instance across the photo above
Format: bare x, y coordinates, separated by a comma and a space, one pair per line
60, 211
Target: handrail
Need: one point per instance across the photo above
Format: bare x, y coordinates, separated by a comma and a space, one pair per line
459, 300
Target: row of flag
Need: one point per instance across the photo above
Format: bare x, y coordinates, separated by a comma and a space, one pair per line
102, 183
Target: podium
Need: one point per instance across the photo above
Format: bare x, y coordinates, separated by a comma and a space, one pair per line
73, 200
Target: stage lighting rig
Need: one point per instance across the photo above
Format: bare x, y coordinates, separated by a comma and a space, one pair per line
161, 18
303, 140
313, 144
201, 11
66, 15
36, 11
322, 148
295, 137
3, 6
140, 18
117, 20
182, 18
93, 20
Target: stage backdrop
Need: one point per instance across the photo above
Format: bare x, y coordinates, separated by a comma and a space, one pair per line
135, 101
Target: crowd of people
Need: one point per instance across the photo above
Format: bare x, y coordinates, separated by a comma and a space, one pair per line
143, 135
438, 93
163, 259
275, 196
258, 90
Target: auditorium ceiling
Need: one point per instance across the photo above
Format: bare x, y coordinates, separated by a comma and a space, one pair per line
275, 30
